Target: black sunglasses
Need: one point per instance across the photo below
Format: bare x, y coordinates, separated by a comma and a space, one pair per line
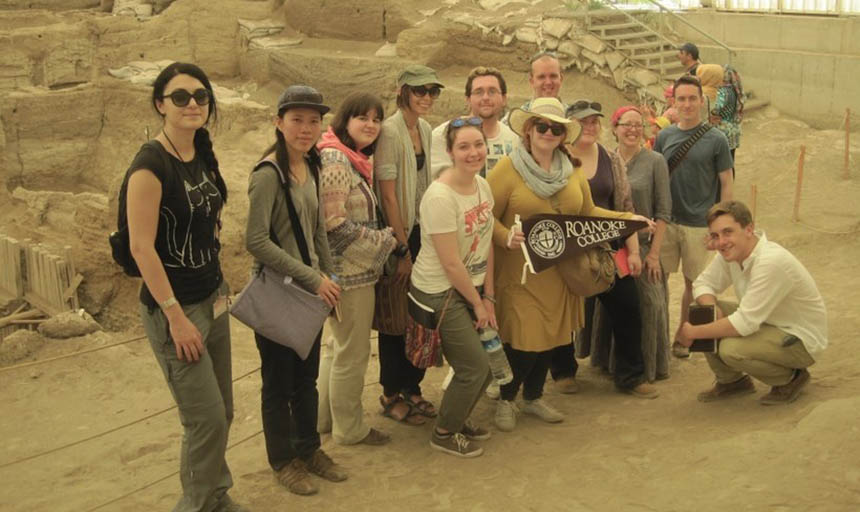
463, 121
421, 91
181, 97
556, 129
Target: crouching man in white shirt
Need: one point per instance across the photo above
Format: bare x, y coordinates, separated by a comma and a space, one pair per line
780, 325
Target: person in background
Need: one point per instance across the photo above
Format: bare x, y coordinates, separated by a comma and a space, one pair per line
290, 400
545, 78
359, 249
402, 164
688, 54
649, 184
453, 276
183, 296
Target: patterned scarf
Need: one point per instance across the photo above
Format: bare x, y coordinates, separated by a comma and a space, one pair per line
360, 162
544, 184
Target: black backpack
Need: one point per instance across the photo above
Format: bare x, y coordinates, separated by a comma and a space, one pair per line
120, 245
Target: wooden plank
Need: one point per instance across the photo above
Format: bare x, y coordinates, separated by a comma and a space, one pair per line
55, 287
73, 275
41, 304
72, 290
16, 259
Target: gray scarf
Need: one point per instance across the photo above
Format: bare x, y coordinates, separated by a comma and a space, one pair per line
543, 183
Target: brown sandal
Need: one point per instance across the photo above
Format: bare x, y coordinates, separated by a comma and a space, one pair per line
390, 410
422, 407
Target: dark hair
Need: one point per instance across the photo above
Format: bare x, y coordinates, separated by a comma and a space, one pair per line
485, 71
541, 55
282, 154
403, 97
686, 80
356, 104
451, 131
202, 140
736, 209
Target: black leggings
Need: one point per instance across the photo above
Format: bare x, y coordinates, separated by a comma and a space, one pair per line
396, 373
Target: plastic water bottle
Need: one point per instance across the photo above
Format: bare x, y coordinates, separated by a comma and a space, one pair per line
498, 360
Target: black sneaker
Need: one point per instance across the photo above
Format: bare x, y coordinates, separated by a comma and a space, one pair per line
474, 432
454, 444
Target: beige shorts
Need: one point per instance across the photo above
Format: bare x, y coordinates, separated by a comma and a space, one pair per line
685, 245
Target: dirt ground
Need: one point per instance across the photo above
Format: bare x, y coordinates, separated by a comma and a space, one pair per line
106, 437
612, 452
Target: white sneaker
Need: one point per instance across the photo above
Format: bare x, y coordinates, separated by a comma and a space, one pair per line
493, 390
448, 379
543, 411
506, 416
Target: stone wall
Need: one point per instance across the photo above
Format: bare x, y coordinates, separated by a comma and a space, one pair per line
807, 66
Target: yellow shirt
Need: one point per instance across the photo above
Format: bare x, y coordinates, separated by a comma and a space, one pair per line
541, 314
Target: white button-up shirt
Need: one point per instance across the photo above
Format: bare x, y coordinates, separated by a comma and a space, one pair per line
774, 288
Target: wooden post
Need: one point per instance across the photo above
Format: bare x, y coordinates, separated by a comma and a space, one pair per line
845, 174
753, 192
797, 188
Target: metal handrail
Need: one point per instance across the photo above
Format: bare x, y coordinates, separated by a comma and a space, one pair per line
647, 27
697, 29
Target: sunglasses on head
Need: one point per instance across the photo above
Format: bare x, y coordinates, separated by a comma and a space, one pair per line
181, 97
556, 129
421, 91
463, 121
584, 105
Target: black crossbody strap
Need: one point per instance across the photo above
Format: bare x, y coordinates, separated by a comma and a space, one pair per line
294, 216
678, 156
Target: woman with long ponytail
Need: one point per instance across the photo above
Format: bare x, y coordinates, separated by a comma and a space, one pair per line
284, 185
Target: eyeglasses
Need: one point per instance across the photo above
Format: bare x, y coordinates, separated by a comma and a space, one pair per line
632, 126
421, 91
181, 97
556, 129
463, 121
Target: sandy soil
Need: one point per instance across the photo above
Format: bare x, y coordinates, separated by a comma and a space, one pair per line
612, 453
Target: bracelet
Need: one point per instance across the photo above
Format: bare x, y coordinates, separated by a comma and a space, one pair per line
490, 298
168, 302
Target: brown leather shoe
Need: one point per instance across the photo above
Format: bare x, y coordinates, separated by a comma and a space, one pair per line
786, 393
320, 464
742, 386
294, 476
567, 385
643, 390
375, 438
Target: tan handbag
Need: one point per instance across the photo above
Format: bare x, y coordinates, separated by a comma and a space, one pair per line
590, 272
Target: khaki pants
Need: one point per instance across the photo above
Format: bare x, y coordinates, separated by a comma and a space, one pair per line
684, 246
770, 355
203, 392
343, 364
462, 347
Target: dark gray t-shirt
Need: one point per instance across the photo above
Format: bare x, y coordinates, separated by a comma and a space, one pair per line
695, 182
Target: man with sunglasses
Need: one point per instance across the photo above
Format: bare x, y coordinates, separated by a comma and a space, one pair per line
700, 168
486, 97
